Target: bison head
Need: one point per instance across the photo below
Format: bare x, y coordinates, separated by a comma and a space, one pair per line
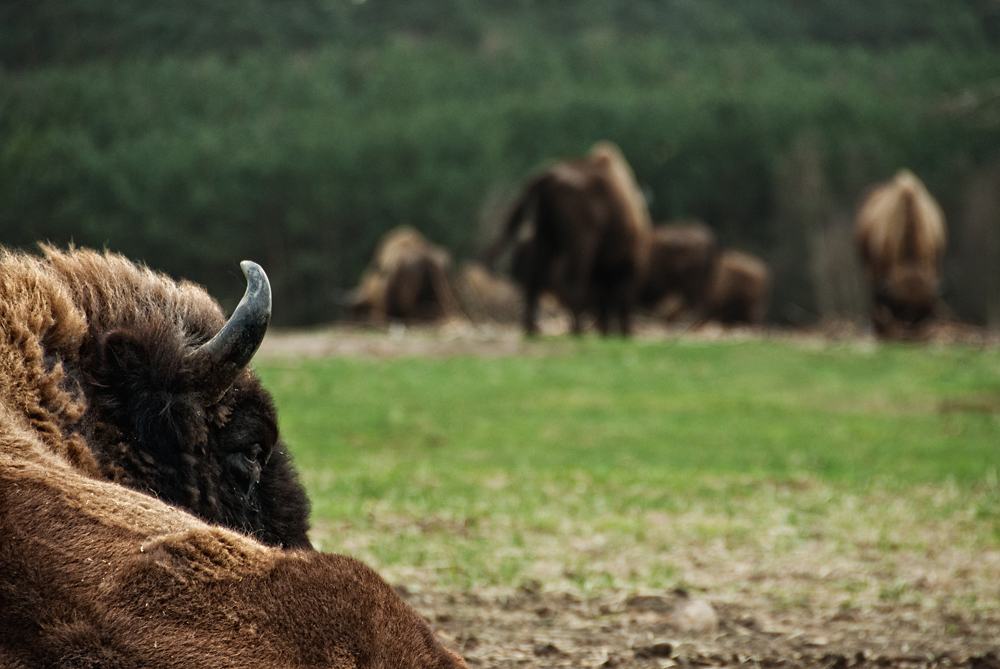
186, 421
909, 292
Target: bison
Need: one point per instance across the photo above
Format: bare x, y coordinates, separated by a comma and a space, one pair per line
588, 242
484, 296
739, 290
407, 280
682, 259
110, 373
146, 385
900, 234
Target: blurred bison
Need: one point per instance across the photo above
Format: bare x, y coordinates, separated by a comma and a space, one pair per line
147, 386
900, 234
682, 259
739, 290
485, 296
407, 280
111, 371
588, 243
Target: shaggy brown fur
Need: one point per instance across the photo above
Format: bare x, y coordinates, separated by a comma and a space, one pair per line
739, 290
97, 353
900, 234
406, 280
682, 258
588, 244
93, 574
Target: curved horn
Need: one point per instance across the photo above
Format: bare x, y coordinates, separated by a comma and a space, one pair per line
229, 351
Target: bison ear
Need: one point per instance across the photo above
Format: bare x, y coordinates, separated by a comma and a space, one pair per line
132, 364
142, 381
122, 354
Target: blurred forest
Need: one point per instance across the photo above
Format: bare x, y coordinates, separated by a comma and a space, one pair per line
193, 134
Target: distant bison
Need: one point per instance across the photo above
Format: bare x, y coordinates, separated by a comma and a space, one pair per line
485, 296
147, 385
900, 234
588, 243
112, 373
682, 259
406, 280
739, 290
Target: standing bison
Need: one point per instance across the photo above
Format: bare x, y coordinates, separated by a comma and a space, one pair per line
682, 258
111, 374
739, 290
900, 234
407, 280
143, 382
588, 242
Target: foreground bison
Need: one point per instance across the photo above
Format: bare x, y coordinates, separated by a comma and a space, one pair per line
588, 243
93, 574
739, 290
407, 280
145, 384
110, 371
682, 258
900, 234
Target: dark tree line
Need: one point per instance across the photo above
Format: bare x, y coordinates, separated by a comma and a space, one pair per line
192, 135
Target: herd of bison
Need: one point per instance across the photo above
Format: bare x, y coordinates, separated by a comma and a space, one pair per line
149, 513
581, 233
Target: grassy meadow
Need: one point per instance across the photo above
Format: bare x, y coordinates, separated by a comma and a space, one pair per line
592, 465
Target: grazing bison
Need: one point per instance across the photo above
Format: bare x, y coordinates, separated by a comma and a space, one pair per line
900, 233
682, 259
96, 574
588, 243
145, 384
407, 280
739, 290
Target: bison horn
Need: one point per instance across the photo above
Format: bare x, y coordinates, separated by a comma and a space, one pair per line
228, 352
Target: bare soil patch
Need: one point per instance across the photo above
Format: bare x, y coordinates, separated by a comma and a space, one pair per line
453, 338
532, 629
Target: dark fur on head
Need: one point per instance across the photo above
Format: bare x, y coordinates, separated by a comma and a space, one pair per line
155, 433
148, 419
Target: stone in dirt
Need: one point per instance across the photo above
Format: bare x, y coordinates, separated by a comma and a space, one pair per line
695, 616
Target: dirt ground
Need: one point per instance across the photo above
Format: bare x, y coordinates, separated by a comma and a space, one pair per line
461, 337
531, 629
721, 624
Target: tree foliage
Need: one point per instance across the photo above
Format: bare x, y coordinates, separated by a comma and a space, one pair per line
295, 132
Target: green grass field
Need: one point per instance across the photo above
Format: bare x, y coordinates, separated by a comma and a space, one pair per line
598, 464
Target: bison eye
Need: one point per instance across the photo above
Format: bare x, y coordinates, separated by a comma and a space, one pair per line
249, 462
252, 455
